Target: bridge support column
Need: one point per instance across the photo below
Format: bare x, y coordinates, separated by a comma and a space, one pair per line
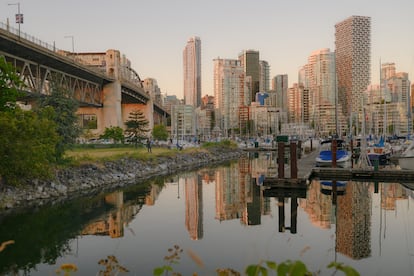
112, 111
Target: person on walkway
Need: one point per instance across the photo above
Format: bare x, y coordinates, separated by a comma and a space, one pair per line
149, 145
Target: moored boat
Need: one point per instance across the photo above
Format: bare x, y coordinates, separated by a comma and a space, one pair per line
406, 159
325, 156
380, 152
327, 186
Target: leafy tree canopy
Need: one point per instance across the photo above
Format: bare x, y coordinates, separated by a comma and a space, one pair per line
27, 145
64, 116
10, 84
115, 133
160, 132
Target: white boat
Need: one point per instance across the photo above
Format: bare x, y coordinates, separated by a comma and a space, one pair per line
406, 159
324, 158
379, 152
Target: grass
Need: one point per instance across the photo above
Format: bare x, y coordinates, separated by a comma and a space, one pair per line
86, 155
97, 155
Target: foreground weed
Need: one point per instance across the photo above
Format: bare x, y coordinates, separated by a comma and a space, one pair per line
171, 259
67, 269
112, 267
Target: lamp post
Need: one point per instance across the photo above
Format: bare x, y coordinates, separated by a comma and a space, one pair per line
73, 44
19, 16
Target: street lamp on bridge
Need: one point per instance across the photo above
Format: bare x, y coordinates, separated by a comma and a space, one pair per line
73, 44
19, 16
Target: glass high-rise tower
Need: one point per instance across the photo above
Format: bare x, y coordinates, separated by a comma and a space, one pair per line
192, 72
251, 63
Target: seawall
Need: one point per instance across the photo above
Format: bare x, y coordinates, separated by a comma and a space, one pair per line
92, 178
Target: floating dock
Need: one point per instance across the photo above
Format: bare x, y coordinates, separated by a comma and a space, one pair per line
306, 171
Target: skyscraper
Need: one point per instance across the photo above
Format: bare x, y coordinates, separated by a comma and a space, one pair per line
353, 62
264, 76
192, 72
320, 79
229, 93
280, 86
251, 63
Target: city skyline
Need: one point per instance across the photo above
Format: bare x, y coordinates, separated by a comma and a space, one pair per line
151, 34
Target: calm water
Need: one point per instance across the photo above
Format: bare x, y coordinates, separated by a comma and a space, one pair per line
221, 218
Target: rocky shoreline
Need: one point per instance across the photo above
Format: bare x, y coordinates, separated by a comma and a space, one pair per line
92, 178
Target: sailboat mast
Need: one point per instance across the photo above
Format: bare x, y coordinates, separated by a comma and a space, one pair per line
336, 105
382, 82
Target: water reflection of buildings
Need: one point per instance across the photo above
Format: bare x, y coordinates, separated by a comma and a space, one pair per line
237, 194
353, 221
194, 206
112, 223
351, 216
390, 193
318, 206
352, 213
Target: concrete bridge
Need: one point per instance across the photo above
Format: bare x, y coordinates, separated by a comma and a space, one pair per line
104, 83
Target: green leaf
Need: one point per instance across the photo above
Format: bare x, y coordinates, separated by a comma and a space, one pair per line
283, 269
158, 271
254, 270
298, 268
349, 271
272, 265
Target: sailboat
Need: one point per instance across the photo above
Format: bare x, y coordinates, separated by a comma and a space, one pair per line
379, 152
406, 159
325, 156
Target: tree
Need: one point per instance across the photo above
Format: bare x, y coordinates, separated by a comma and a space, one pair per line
64, 116
27, 145
137, 126
10, 84
115, 133
160, 132
27, 139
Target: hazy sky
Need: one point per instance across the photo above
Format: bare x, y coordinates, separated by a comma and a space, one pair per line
153, 33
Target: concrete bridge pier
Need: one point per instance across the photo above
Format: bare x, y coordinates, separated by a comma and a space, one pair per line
112, 109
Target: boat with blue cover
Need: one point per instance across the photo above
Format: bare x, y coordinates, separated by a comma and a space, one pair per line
325, 156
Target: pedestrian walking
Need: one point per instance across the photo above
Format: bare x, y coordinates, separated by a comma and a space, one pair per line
149, 145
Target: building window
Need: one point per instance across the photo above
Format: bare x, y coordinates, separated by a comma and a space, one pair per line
88, 121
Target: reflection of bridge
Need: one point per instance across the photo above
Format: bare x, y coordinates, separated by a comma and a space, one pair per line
105, 85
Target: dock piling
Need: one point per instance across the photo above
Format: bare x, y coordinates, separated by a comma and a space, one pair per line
293, 161
281, 159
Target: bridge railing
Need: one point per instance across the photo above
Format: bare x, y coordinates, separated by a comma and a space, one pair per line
53, 48
28, 37
131, 81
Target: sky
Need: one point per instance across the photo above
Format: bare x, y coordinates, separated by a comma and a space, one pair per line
152, 34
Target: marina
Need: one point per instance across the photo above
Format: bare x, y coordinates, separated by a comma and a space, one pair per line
228, 216
298, 172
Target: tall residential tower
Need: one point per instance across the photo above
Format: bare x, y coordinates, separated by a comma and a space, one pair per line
192, 72
250, 62
353, 62
229, 93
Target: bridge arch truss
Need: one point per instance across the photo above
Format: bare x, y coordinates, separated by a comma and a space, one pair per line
39, 78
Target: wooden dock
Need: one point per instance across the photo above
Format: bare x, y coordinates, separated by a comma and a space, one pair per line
383, 175
306, 171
